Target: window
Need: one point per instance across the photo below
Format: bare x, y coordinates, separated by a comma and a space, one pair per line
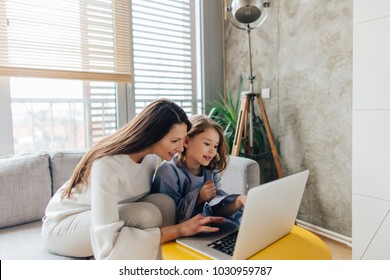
76, 116
65, 78
164, 52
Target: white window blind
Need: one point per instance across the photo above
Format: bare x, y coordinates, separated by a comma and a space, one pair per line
164, 52
73, 39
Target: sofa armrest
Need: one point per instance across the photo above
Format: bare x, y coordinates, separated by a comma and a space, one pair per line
25, 188
240, 175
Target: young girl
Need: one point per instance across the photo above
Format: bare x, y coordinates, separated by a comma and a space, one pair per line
105, 209
193, 177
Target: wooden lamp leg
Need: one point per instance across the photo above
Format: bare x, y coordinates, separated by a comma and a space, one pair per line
270, 139
240, 126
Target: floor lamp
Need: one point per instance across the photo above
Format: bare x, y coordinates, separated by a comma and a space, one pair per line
248, 15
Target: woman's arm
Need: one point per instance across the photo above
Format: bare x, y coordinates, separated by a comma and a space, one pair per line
197, 224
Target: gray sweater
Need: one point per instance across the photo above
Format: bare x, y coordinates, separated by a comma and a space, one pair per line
174, 179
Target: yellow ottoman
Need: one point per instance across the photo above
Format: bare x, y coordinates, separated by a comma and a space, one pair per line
299, 244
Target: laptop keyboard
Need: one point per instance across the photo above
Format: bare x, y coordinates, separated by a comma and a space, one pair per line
225, 244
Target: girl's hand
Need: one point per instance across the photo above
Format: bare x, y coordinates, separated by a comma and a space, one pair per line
241, 199
228, 209
207, 192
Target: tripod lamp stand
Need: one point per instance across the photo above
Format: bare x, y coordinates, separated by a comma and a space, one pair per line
248, 15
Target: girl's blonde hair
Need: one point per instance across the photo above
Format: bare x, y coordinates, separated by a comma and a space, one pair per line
146, 129
201, 123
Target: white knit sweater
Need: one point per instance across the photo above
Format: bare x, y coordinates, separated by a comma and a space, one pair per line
113, 180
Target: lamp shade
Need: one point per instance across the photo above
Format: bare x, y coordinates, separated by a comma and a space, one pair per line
246, 11
246, 14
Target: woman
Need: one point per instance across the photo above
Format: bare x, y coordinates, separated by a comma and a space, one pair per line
105, 208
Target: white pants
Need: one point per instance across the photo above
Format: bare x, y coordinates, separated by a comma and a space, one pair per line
71, 236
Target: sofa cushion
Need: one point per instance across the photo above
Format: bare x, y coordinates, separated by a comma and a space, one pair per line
24, 242
25, 188
62, 166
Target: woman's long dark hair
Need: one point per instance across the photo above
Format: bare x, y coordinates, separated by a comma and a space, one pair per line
146, 129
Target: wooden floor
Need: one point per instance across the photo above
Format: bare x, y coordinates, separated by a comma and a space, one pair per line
339, 251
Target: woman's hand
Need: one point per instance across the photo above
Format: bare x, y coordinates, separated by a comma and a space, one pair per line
199, 223
207, 192
195, 225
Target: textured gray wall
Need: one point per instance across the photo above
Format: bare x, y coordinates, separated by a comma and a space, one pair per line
303, 52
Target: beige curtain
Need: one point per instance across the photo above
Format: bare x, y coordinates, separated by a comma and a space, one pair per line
74, 39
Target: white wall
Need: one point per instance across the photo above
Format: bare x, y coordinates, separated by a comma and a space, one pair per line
371, 130
7, 144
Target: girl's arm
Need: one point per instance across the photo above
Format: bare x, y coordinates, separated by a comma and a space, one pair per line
228, 209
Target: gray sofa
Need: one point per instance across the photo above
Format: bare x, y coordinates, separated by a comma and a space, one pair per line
28, 181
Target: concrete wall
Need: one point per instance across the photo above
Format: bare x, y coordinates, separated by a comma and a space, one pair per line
303, 53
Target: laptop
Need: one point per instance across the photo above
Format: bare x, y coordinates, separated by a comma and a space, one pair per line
269, 214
